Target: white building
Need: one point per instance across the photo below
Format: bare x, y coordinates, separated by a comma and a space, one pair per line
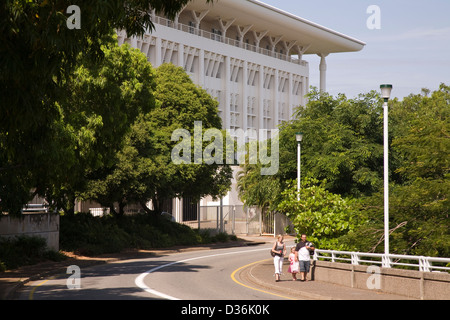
247, 54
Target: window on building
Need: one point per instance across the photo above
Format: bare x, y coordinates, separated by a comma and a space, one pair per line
281, 112
267, 119
234, 111
216, 34
251, 113
191, 27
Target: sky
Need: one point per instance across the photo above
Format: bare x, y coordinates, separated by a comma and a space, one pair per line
410, 50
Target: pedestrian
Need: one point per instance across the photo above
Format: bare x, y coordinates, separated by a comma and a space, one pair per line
302, 255
293, 265
278, 250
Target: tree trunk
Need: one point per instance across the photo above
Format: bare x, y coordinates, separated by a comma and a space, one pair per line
122, 205
144, 206
69, 207
156, 204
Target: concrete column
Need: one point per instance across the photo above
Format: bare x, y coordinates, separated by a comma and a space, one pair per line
244, 94
290, 99
181, 55
178, 210
323, 72
304, 90
225, 27
276, 99
158, 55
226, 90
261, 98
201, 68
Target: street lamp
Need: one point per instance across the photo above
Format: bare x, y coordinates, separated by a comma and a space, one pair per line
299, 138
386, 94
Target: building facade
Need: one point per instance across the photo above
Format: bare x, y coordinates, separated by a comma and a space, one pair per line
246, 54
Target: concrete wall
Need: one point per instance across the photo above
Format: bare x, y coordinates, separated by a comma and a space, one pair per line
409, 283
45, 225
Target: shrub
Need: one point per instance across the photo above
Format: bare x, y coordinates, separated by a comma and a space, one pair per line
25, 250
90, 235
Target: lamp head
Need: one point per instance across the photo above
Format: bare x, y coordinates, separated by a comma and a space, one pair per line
299, 136
386, 91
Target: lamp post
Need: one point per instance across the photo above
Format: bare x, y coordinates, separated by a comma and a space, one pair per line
386, 94
299, 138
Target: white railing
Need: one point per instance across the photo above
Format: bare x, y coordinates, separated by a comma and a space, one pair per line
236, 43
99, 212
35, 207
423, 263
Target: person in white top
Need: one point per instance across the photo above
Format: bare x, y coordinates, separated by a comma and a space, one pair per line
278, 250
302, 255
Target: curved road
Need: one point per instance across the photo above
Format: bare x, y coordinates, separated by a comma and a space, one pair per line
199, 275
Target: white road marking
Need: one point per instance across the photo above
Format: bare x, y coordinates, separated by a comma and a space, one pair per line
139, 281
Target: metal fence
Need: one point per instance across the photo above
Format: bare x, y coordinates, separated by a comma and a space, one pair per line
422, 263
220, 38
239, 219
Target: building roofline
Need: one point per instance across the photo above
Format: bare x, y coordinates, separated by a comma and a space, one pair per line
302, 20
311, 37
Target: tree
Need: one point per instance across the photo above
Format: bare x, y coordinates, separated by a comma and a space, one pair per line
38, 53
262, 191
101, 103
39, 50
422, 137
342, 142
322, 215
343, 148
342, 145
144, 169
418, 201
257, 190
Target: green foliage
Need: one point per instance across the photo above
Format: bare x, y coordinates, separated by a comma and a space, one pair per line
207, 236
424, 206
181, 103
256, 189
25, 250
421, 139
343, 148
322, 215
342, 145
88, 235
342, 142
38, 54
144, 168
100, 104
419, 195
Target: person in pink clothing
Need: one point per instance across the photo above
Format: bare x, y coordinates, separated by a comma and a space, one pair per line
293, 265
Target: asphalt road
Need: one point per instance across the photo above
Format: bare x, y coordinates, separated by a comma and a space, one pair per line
199, 275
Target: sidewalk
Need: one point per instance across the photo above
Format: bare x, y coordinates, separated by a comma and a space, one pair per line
262, 275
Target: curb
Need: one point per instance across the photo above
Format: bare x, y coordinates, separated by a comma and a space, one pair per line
248, 275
